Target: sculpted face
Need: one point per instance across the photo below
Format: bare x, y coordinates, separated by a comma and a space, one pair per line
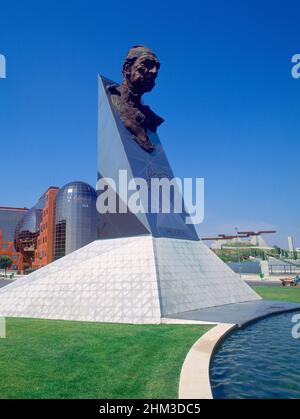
143, 73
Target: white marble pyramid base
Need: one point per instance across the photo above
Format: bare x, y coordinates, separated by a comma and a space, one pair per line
127, 280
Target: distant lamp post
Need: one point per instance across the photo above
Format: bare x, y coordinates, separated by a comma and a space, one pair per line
239, 256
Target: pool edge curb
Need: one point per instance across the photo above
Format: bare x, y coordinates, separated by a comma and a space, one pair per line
194, 381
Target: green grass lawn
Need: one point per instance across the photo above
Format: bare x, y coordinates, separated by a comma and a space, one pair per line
278, 293
64, 359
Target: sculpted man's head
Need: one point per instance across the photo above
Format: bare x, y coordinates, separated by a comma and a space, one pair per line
140, 69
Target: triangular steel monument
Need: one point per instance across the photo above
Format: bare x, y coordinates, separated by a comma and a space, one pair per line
144, 266
117, 151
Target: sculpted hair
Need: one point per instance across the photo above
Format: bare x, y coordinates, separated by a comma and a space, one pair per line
133, 54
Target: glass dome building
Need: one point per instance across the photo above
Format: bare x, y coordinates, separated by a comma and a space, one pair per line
75, 218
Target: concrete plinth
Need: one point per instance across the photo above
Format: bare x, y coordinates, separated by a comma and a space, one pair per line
127, 280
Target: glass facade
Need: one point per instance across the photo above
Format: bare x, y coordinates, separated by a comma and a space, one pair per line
9, 218
27, 231
75, 218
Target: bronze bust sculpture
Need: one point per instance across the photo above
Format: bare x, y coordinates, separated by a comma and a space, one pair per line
140, 70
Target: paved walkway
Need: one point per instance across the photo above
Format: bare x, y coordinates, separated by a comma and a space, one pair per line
4, 282
253, 279
238, 313
267, 283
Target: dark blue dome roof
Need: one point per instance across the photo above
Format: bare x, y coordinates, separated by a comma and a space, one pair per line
76, 188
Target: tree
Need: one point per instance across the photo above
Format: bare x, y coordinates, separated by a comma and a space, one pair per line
286, 254
277, 250
5, 262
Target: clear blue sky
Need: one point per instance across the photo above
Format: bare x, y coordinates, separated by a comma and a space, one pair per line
225, 90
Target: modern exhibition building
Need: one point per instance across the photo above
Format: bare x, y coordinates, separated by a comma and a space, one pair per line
9, 218
63, 220
34, 232
75, 218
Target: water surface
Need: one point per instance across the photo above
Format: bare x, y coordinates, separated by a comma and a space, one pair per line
260, 361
